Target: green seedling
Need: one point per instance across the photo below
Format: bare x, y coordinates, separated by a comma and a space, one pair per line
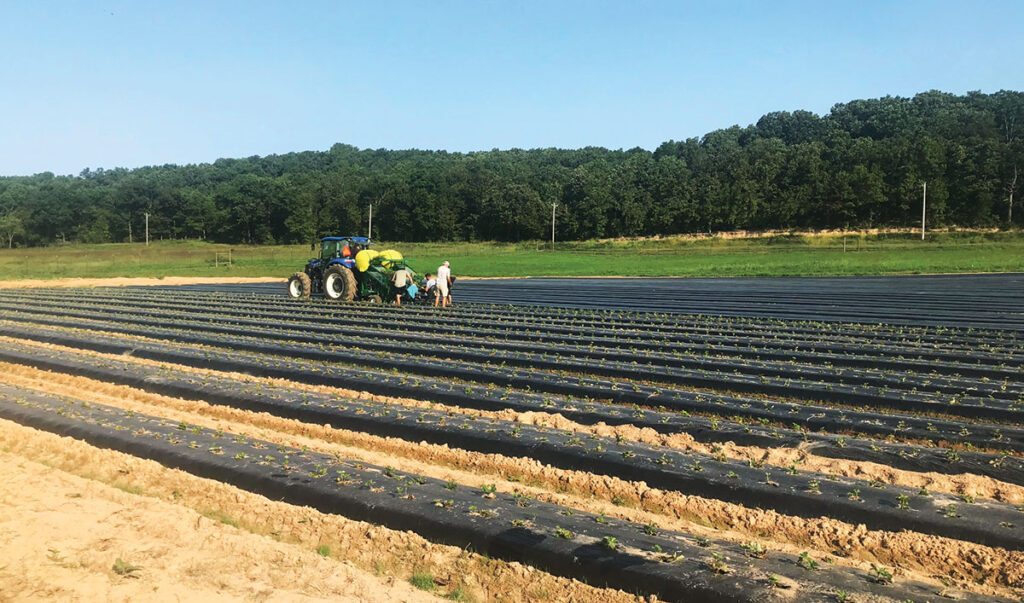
879, 575
804, 560
754, 549
717, 564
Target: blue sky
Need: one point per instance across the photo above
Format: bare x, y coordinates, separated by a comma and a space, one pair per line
126, 84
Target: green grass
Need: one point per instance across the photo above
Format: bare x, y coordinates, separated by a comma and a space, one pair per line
123, 568
221, 516
423, 581
459, 594
786, 255
129, 488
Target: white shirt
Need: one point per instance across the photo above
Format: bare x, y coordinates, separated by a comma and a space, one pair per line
443, 274
431, 282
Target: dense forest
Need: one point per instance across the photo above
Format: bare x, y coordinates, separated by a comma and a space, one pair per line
861, 165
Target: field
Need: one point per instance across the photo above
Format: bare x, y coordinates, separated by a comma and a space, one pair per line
776, 255
497, 452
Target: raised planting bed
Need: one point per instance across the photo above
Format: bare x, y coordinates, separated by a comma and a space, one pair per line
491, 368
601, 551
762, 431
789, 490
973, 344
613, 345
954, 379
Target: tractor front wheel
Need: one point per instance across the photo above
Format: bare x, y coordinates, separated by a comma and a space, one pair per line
339, 284
299, 286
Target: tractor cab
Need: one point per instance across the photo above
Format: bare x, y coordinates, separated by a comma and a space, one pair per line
343, 250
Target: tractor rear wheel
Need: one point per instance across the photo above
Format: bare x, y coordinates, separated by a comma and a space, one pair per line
299, 286
339, 284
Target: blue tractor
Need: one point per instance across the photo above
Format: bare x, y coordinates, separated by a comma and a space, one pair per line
332, 272
348, 270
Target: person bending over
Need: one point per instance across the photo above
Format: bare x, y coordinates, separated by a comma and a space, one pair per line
430, 287
400, 279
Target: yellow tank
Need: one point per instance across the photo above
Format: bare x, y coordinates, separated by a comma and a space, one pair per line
363, 259
390, 256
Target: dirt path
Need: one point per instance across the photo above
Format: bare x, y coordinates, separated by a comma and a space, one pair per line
61, 536
93, 505
136, 281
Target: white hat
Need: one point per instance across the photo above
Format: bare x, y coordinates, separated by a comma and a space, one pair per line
446, 263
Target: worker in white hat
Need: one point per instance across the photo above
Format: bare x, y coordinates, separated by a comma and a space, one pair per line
444, 281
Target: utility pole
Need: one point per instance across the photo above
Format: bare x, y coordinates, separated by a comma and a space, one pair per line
553, 206
129, 231
924, 204
147, 228
380, 201
1013, 186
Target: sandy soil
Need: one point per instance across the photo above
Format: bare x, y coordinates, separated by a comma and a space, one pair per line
136, 281
165, 531
915, 555
61, 536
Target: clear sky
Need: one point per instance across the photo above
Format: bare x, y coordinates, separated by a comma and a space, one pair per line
131, 83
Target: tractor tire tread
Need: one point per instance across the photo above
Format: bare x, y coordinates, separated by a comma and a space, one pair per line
305, 285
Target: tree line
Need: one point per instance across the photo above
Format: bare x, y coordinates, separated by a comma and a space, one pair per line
861, 165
